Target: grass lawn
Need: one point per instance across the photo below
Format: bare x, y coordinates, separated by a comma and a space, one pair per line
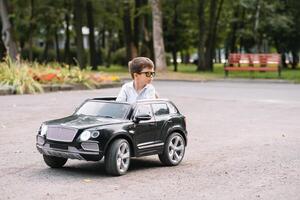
188, 72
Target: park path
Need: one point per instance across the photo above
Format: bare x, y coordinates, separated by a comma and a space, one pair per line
244, 143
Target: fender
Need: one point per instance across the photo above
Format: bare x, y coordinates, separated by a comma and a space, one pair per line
178, 129
124, 135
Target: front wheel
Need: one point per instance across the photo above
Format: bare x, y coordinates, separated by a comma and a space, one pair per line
173, 151
117, 158
54, 162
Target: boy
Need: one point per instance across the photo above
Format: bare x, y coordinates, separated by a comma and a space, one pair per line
142, 73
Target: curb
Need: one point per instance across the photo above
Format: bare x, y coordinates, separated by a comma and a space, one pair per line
109, 85
7, 90
254, 81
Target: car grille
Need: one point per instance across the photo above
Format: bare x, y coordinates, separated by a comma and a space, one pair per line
61, 134
59, 146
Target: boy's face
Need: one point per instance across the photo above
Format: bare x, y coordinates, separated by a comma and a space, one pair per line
145, 76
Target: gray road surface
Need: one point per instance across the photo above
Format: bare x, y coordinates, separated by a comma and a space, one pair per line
244, 143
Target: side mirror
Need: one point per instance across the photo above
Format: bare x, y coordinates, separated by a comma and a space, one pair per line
142, 117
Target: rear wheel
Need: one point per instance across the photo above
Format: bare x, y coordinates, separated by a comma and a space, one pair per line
117, 158
54, 162
173, 151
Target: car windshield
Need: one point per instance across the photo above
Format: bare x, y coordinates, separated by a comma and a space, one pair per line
104, 109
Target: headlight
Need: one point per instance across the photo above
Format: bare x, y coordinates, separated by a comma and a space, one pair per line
85, 135
95, 134
44, 130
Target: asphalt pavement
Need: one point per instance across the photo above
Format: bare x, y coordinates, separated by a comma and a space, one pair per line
244, 143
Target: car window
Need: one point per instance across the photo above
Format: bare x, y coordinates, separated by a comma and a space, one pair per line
172, 108
160, 109
144, 109
103, 109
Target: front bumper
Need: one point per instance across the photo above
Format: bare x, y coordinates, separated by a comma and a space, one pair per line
71, 152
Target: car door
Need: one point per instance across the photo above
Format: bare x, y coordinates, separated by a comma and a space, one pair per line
144, 133
163, 119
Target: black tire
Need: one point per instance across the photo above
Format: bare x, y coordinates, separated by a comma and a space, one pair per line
117, 158
54, 162
173, 155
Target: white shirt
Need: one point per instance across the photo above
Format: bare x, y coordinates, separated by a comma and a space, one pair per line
130, 95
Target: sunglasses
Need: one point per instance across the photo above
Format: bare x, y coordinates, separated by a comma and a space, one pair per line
148, 74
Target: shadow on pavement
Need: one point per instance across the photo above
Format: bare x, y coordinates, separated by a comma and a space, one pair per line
97, 169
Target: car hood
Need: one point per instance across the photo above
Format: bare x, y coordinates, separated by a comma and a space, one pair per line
84, 121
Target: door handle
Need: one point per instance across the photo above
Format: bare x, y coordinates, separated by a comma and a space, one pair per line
151, 123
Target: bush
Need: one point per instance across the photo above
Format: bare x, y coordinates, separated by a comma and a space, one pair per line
20, 78
37, 54
119, 57
27, 77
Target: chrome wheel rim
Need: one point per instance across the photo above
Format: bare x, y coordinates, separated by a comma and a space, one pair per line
123, 157
176, 149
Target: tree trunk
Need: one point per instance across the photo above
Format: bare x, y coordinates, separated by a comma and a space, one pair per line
255, 26
147, 39
295, 59
234, 28
158, 40
90, 20
174, 55
209, 50
211, 45
219, 56
283, 63
47, 43
175, 45
99, 53
241, 26
202, 30
2, 50
31, 30
131, 51
186, 58
57, 46
67, 56
137, 25
2, 47
45, 52
103, 38
281, 50
78, 29
127, 29
7, 32
109, 44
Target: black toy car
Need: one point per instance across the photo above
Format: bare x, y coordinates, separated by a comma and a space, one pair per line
118, 131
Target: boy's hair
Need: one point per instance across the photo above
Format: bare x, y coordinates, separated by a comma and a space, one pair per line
137, 65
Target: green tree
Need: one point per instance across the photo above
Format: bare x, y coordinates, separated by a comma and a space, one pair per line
178, 27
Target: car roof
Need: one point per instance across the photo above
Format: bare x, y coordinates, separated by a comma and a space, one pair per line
113, 100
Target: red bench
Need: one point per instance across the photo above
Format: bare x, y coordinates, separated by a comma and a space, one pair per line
253, 62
